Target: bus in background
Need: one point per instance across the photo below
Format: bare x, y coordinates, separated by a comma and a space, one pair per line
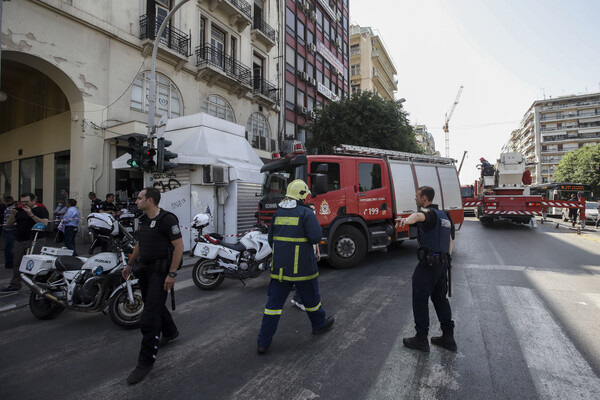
468, 192
561, 191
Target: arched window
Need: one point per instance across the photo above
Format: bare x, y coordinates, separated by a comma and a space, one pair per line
217, 107
168, 99
259, 134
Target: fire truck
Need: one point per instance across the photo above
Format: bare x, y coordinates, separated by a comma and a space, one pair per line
504, 192
358, 192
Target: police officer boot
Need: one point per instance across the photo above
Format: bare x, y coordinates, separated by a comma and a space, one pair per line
446, 340
417, 342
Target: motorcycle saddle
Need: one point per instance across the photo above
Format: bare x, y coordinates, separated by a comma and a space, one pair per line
237, 247
68, 263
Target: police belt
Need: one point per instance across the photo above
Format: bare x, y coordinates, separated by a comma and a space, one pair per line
431, 258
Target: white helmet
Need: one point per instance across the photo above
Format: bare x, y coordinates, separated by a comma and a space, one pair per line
103, 224
200, 220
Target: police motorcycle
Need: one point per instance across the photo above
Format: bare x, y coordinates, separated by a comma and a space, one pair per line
59, 280
220, 260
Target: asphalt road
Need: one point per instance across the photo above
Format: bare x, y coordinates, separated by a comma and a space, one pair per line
526, 304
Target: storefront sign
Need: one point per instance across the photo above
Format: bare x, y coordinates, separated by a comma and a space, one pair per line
328, 55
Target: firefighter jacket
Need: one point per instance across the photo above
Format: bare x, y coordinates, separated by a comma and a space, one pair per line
293, 231
434, 234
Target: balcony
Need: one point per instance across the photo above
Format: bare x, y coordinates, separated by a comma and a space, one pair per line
263, 33
238, 11
177, 42
216, 67
266, 94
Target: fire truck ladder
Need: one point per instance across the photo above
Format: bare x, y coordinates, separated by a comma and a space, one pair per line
400, 155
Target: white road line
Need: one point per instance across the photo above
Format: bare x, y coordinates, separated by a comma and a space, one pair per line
557, 368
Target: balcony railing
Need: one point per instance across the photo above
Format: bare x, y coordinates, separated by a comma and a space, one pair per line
262, 26
208, 55
265, 88
243, 6
172, 38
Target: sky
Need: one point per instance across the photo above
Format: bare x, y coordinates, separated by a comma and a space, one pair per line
507, 54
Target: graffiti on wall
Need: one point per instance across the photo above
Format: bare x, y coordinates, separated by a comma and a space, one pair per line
165, 181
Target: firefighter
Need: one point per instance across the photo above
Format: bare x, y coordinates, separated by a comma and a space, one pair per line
293, 232
430, 276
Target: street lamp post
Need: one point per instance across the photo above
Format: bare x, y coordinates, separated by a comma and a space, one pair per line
152, 95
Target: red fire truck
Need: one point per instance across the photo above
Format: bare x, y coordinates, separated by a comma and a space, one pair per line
366, 189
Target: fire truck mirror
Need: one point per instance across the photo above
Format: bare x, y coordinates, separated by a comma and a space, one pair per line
322, 169
319, 184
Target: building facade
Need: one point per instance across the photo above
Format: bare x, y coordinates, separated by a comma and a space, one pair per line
425, 140
76, 79
553, 127
371, 67
315, 48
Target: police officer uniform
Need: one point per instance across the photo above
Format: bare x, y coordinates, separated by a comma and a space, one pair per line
293, 232
156, 251
429, 277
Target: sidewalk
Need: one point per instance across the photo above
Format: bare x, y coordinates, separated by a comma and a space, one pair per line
558, 223
20, 299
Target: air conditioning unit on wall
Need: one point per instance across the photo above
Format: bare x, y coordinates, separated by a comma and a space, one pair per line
215, 174
312, 47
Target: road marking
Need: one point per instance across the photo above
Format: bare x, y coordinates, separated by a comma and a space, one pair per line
557, 368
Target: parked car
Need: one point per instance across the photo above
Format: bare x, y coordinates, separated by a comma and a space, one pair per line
591, 212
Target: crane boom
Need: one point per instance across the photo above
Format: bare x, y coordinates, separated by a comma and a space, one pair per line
448, 116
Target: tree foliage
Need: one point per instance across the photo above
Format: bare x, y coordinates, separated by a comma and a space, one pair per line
580, 166
365, 119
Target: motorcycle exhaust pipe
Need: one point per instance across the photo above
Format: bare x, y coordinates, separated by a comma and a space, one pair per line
42, 292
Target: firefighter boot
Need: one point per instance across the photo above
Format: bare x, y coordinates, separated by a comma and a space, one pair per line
418, 342
446, 340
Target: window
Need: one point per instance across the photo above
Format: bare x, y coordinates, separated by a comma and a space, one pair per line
355, 88
369, 176
289, 58
354, 49
260, 135
300, 98
299, 63
290, 130
31, 176
290, 22
333, 174
168, 98
300, 33
355, 69
290, 95
217, 107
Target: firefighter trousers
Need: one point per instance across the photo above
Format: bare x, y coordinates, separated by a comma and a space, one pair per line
431, 281
156, 318
278, 293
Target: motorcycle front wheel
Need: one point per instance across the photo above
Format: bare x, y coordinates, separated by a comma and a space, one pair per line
204, 280
124, 314
42, 308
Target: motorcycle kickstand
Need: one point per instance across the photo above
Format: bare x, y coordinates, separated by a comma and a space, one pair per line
243, 283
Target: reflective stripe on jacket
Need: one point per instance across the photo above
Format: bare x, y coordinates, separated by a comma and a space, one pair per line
292, 234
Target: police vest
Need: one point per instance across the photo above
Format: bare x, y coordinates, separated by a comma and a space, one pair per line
436, 240
293, 253
154, 244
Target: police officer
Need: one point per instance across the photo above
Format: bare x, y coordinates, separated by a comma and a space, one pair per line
429, 278
293, 232
159, 249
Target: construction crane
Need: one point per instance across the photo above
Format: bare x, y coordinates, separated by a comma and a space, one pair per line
448, 116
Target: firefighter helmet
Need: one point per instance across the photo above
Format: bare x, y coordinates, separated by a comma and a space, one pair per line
297, 190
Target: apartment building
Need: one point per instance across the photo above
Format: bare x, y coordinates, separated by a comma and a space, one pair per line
371, 66
75, 84
315, 47
551, 128
425, 140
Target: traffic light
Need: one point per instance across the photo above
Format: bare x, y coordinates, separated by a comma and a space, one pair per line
148, 163
165, 155
136, 144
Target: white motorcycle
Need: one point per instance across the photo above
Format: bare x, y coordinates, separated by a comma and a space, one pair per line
220, 260
59, 280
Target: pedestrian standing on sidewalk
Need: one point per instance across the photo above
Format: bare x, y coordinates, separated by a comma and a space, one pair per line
160, 251
8, 233
430, 278
297, 300
24, 217
70, 223
293, 232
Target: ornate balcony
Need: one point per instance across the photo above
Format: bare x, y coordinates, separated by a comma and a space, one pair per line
263, 33
265, 93
216, 67
238, 11
176, 41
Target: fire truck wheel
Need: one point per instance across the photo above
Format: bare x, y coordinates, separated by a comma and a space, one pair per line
348, 247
